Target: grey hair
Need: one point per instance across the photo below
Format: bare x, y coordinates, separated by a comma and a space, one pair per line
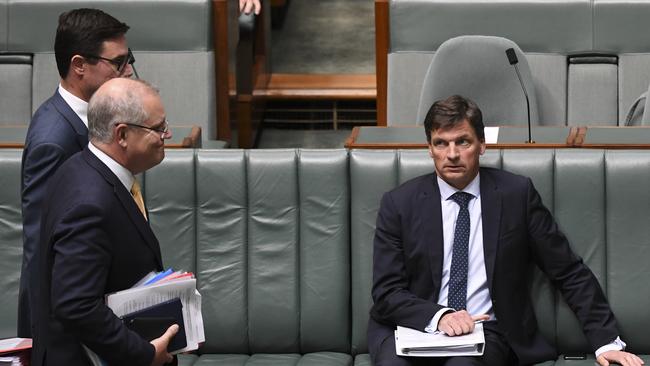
106, 110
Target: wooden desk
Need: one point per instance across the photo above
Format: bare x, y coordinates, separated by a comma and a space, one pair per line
413, 137
13, 136
603, 137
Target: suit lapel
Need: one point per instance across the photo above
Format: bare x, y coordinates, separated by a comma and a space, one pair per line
431, 214
75, 122
491, 216
128, 203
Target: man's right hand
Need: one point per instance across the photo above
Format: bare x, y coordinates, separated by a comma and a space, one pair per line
459, 322
160, 344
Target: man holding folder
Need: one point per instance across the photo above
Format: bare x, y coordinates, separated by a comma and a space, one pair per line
95, 236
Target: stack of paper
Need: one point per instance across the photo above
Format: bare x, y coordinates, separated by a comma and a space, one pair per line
15, 351
411, 342
157, 288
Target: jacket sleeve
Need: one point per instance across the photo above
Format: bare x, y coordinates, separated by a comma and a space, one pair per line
570, 275
394, 302
39, 164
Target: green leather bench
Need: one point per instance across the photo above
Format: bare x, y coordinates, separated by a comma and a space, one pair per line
281, 243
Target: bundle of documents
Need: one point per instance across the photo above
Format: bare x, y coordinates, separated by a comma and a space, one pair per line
157, 294
15, 351
411, 342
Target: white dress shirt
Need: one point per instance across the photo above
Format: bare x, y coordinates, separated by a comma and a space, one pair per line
124, 175
78, 105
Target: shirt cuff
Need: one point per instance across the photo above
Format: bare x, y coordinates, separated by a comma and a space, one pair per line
615, 345
433, 324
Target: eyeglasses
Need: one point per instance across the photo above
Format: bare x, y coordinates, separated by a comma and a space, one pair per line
119, 62
163, 130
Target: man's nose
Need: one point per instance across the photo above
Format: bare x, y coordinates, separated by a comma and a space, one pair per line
452, 152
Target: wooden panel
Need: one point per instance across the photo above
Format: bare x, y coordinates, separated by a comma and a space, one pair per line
391, 140
220, 39
319, 86
382, 44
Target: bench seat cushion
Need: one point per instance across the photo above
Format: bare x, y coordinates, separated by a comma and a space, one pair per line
187, 360
362, 360
285, 359
590, 361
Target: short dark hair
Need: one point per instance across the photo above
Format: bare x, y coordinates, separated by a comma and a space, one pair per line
83, 32
452, 111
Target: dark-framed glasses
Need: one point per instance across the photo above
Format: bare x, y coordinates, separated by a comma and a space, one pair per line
119, 62
162, 130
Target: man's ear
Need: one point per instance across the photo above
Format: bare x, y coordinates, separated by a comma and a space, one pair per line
77, 64
121, 131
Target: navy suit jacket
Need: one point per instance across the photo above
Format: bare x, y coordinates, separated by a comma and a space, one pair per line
94, 241
55, 133
518, 231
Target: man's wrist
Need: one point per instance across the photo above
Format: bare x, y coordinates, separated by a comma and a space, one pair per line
615, 345
433, 324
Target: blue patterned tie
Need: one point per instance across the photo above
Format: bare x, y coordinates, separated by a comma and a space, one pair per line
457, 298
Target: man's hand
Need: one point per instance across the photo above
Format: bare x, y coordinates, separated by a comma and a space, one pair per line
619, 357
160, 344
459, 322
245, 6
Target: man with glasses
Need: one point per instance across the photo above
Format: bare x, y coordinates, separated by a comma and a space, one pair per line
96, 237
90, 48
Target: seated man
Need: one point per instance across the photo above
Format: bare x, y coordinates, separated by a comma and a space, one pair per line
456, 246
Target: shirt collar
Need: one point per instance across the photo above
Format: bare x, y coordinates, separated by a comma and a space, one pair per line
446, 190
78, 105
123, 174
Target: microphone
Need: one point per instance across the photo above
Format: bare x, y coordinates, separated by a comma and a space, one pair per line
512, 59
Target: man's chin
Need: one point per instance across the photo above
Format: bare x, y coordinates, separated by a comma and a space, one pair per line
454, 179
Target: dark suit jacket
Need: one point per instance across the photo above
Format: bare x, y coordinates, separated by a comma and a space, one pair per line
94, 241
55, 133
517, 232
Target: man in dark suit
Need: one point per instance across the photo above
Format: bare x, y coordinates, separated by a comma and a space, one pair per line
90, 48
95, 237
456, 247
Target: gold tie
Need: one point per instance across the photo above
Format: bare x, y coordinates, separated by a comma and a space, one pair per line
137, 196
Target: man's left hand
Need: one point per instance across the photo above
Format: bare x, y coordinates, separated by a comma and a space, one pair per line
619, 357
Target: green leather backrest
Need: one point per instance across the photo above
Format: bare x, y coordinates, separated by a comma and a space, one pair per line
627, 248
580, 212
273, 250
170, 192
11, 239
